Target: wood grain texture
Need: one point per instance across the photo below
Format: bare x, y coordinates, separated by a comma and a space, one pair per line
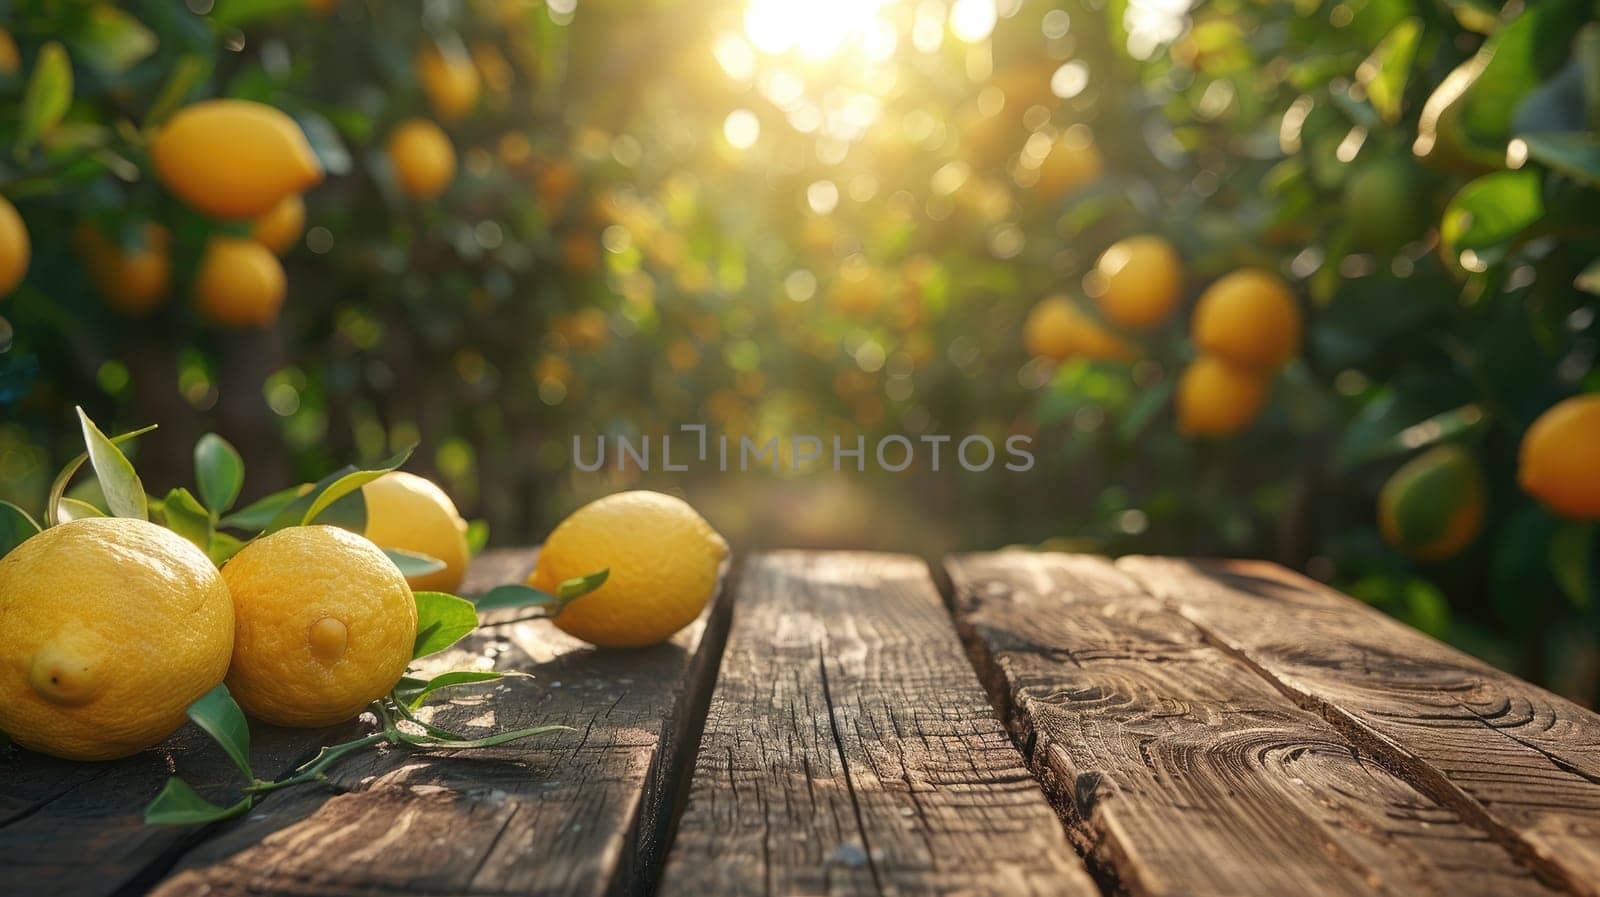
849, 749
1184, 771
1518, 760
579, 813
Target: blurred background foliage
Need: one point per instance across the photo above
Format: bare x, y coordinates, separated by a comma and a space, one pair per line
841, 217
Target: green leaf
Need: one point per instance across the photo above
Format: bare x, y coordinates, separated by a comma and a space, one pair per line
1572, 562
258, 515
442, 620
77, 509
184, 515
235, 13
112, 40
578, 586
1576, 155
118, 480
349, 483
1384, 73
16, 527
514, 595
491, 741
477, 536
58, 488
1489, 213
47, 97
218, 472
219, 715
179, 804
413, 692
187, 72
414, 563
1380, 432
223, 547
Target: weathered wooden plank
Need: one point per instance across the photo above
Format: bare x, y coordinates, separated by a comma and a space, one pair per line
1519, 761
571, 813
848, 749
1182, 769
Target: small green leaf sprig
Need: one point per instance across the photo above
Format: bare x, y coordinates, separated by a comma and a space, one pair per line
442, 620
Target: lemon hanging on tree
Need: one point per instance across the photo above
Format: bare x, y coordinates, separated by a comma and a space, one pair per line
15, 249
1559, 460
279, 228
234, 158
1057, 329
1433, 506
423, 158
1218, 398
449, 79
240, 283
325, 625
133, 280
1249, 318
109, 628
664, 561
1138, 282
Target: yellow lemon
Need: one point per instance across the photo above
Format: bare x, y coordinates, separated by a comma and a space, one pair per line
279, 228
240, 283
1057, 329
1138, 282
408, 512
133, 280
325, 625
1559, 462
450, 81
233, 158
664, 560
423, 158
1072, 162
15, 248
1250, 318
1218, 398
1432, 507
109, 628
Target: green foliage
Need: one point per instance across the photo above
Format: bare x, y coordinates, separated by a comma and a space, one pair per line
608, 259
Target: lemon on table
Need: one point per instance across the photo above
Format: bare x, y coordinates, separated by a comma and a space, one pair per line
664, 561
325, 625
279, 228
1433, 506
1558, 462
133, 280
109, 628
1138, 282
233, 158
423, 158
1250, 318
240, 283
15, 249
1218, 398
408, 512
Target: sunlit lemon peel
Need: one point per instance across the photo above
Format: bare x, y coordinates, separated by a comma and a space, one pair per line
326, 625
664, 561
109, 628
233, 158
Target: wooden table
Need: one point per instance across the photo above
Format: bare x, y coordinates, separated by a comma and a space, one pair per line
840, 724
